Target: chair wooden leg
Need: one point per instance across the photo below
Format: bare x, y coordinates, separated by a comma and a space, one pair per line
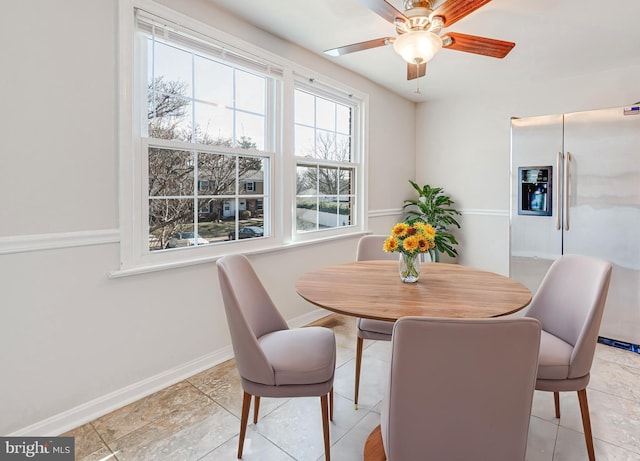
359, 343
331, 404
556, 401
246, 403
256, 408
324, 405
373, 447
586, 423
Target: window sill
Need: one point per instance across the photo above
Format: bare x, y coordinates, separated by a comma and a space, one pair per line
148, 268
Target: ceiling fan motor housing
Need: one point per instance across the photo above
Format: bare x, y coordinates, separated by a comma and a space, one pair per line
419, 18
409, 4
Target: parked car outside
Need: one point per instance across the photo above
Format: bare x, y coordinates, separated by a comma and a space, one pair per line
186, 239
247, 232
154, 243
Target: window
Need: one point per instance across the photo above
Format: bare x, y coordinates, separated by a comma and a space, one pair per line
326, 167
206, 159
207, 141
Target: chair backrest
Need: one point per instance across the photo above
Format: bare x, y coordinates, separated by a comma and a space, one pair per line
370, 247
250, 315
569, 305
460, 389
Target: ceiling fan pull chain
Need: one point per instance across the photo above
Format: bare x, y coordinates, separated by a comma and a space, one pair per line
418, 79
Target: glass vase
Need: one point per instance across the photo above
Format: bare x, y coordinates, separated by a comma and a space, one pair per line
409, 266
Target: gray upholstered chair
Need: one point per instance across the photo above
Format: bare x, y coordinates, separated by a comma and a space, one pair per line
273, 360
459, 390
370, 247
569, 305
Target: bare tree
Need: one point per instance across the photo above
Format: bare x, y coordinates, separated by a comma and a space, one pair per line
172, 172
327, 180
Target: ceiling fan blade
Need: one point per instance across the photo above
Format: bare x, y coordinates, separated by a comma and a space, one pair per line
452, 11
359, 46
416, 71
385, 10
478, 45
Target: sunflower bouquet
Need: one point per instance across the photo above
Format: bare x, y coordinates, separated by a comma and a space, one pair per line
410, 239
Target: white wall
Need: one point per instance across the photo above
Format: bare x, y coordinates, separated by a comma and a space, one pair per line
474, 167
73, 342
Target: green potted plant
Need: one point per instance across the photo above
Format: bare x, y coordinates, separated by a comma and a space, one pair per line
434, 207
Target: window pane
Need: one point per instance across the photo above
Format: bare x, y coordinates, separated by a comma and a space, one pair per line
343, 122
304, 140
209, 211
211, 224
346, 182
328, 212
328, 180
325, 114
250, 92
306, 180
343, 148
326, 145
216, 174
306, 214
214, 124
170, 172
169, 114
304, 107
172, 64
213, 82
251, 174
346, 212
249, 131
249, 213
167, 217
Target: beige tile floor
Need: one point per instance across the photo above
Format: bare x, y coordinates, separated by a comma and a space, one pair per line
198, 419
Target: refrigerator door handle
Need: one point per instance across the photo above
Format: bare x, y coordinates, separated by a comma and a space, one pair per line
558, 209
565, 210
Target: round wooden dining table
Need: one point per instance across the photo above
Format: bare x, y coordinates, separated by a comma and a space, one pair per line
373, 290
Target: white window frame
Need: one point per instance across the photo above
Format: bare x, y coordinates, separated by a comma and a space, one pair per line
357, 105
135, 257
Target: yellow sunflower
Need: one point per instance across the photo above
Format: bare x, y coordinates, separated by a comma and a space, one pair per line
423, 244
411, 243
390, 244
400, 230
426, 229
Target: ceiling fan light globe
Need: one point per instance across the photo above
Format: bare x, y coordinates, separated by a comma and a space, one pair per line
417, 46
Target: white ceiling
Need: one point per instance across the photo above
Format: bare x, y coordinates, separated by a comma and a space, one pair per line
554, 39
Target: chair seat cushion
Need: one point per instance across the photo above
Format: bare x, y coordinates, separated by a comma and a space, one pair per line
375, 326
300, 355
554, 358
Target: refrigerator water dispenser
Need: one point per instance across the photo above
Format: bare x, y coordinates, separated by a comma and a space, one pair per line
534, 193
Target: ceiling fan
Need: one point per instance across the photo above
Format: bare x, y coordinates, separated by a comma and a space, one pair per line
419, 29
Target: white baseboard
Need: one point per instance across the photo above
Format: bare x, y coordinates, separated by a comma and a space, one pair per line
82, 414
93, 409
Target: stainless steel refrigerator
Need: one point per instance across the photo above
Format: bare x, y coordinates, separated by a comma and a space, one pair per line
575, 189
